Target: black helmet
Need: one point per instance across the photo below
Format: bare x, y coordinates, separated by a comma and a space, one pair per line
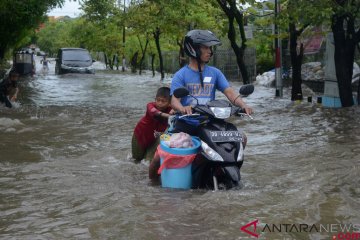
195, 38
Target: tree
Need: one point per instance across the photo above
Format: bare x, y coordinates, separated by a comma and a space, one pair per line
232, 11
344, 20
343, 24
55, 35
170, 20
109, 17
299, 16
296, 56
263, 40
143, 51
144, 19
19, 18
165, 21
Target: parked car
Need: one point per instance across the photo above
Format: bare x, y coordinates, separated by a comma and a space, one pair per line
74, 60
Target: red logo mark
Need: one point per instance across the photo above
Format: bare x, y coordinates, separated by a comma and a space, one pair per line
252, 233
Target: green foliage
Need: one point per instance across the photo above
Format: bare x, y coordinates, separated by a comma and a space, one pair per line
19, 19
264, 63
177, 17
263, 44
53, 36
141, 18
101, 27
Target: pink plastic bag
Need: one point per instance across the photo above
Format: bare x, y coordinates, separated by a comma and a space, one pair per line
172, 160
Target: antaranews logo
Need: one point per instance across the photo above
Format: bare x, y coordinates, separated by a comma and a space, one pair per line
247, 228
336, 231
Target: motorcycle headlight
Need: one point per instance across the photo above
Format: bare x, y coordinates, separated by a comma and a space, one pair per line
213, 155
221, 112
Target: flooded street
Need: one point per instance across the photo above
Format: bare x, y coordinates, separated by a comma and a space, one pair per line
66, 170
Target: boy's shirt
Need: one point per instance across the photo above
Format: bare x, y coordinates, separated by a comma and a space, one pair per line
150, 125
6, 85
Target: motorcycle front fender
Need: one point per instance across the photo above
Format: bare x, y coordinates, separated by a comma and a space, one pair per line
233, 172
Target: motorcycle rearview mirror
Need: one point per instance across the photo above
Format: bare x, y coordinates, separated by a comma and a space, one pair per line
181, 92
246, 90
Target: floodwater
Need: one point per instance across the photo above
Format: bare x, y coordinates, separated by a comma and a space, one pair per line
66, 170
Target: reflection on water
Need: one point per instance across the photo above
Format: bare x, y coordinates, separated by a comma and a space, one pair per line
66, 171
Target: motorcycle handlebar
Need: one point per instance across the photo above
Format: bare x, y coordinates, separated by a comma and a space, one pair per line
241, 112
237, 112
190, 115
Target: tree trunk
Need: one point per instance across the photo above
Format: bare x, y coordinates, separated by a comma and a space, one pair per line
152, 64
296, 62
157, 42
133, 62
111, 65
345, 43
105, 60
143, 55
232, 12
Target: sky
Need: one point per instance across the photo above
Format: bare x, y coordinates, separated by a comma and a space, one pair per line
70, 9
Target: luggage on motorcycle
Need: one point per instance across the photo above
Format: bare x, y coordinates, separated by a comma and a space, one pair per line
175, 168
178, 140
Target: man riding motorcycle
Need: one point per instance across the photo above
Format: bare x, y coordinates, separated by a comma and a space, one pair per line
200, 79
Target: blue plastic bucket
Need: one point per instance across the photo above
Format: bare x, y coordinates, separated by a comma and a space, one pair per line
178, 177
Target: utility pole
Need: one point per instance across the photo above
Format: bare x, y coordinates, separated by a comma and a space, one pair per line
278, 74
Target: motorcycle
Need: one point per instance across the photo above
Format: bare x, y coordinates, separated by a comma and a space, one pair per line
222, 151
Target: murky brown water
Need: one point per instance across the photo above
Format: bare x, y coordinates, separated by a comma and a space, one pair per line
66, 171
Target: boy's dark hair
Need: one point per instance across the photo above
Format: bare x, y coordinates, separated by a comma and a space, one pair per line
13, 72
163, 92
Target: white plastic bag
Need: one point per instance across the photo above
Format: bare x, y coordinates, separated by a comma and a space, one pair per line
179, 140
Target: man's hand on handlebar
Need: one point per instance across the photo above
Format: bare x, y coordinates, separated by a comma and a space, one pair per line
186, 110
248, 110
245, 111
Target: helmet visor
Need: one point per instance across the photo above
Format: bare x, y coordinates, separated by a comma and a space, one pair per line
211, 43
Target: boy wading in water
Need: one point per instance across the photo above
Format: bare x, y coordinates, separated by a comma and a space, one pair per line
9, 89
148, 130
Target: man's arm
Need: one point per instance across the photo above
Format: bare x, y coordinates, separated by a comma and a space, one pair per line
14, 97
177, 106
235, 99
